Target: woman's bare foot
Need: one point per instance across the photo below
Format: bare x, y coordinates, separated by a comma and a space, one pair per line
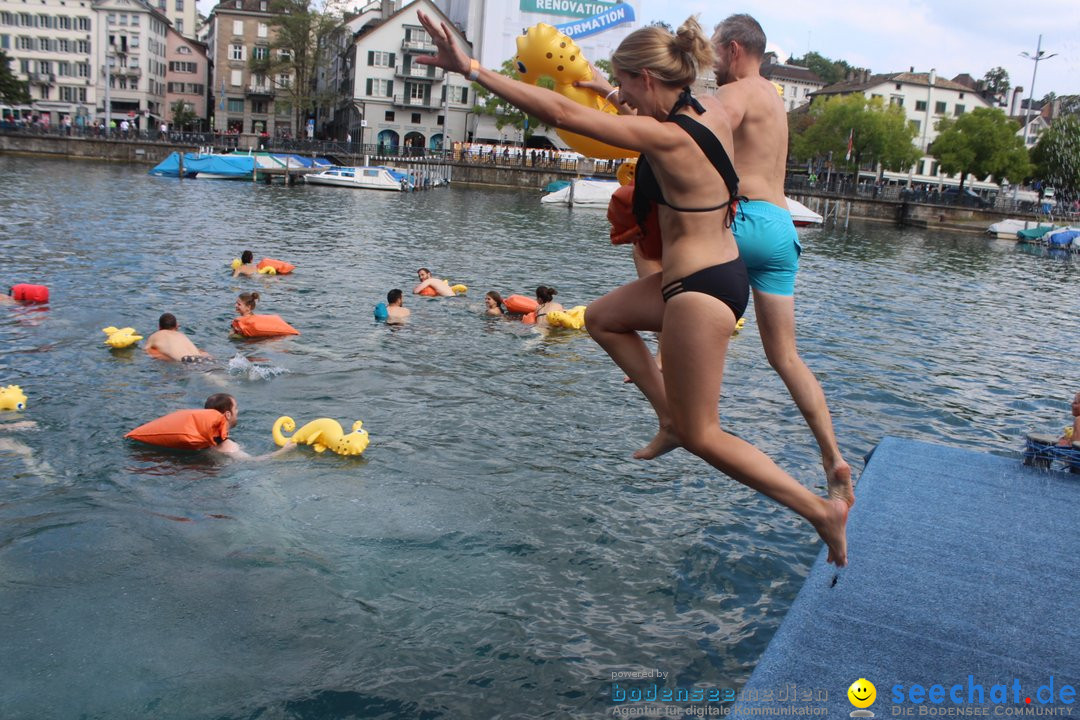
839, 479
833, 530
664, 442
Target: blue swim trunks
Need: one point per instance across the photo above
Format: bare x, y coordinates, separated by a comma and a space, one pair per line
768, 245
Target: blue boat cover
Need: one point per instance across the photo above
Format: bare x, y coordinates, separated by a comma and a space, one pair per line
1064, 237
228, 165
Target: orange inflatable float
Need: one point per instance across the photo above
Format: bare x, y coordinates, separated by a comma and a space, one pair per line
520, 304
428, 292
262, 326
280, 266
30, 293
625, 228
184, 430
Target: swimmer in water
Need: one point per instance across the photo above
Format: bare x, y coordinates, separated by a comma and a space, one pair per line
227, 406
493, 303
396, 312
172, 344
441, 287
247, 265
545, 296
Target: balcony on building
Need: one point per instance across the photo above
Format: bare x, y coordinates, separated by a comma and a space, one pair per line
257, 90
419, 46
419, 72
406, 100
42, 79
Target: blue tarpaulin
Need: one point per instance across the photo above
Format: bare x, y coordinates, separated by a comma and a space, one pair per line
195, 165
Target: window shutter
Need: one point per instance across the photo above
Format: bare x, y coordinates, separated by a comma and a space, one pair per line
393, 57
370, 61
368, 83
390, 88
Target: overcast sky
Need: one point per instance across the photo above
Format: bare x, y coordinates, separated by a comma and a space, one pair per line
953, 36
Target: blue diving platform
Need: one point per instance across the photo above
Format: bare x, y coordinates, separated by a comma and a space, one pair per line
961, 597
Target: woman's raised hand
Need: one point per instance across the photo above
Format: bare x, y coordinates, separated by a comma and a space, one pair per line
450, 56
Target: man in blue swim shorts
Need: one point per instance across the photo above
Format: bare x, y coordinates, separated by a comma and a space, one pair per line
763, 229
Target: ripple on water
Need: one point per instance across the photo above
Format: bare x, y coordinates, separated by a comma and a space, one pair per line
496, 552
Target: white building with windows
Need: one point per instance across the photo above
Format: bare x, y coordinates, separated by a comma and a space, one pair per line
52, 46
797, 82
183, 14
925, 99
133, 47
388, 99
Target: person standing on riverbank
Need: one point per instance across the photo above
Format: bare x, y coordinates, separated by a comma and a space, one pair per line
703, 281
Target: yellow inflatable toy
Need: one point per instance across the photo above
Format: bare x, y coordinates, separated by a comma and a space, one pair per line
627, 172
12, 398
121, 337
262, 271
738, 326
323, 434
459, 289
544, 51
572, 319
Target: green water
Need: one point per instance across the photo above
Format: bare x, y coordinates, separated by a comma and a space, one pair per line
495, 552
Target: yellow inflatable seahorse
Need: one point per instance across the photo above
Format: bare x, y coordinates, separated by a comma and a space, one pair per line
574, 318
121, 337
12, 398
543, 50
323, 434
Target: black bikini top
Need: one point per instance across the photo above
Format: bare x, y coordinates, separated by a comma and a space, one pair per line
647, 189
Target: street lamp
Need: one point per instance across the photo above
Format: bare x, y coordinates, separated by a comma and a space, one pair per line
1040, 54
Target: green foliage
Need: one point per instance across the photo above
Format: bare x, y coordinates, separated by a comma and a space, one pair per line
997, 82
299, 47
12, 90
183, 118
880, 133
831, 71
663, 25
605, 67
1057, 155
505, 114
982, 142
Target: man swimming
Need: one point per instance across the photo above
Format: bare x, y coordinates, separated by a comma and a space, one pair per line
174, 345
441, 287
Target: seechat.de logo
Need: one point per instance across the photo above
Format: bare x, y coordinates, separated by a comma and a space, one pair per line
862, 695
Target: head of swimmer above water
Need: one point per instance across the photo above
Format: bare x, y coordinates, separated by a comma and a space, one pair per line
423, 274
246, 257
545, 294
167, 321
394, 297
225, 404
245, 303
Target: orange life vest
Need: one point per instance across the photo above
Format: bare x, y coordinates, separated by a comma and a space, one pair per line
262, 326
184, 429
520, 304
428, 291
280, 266
624, 226
30, 293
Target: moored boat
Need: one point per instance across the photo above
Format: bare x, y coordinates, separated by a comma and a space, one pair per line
364, 177
1008, 229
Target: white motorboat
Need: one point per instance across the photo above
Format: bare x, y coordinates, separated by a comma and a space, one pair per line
370, 178
1008, 229
802, 215
587, 192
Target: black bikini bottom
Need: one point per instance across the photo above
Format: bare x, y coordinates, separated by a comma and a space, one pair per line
726, 282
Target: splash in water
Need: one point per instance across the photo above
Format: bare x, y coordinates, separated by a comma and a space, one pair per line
240, 365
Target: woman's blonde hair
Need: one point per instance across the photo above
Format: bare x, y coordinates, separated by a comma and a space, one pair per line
672, 59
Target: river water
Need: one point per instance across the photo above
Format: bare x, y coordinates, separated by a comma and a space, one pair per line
495, 552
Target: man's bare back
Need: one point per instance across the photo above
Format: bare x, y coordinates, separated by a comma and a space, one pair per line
760, 132
174, 345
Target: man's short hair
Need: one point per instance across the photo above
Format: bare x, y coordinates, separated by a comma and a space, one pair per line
222, 402
743, 29
393, 296
167, 321
424, 270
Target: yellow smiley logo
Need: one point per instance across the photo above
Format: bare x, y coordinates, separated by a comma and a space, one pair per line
862, 693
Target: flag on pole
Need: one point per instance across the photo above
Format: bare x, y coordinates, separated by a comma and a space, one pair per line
850, 144
221, 95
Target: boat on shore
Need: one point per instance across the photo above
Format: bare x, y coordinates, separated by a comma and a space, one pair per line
801, 215
583, 192
363, 177
1008, 229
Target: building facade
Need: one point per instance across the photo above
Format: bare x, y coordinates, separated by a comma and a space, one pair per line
925, 99
797, 82
133, 51
53, 49
245, 102
387, 98
187, 78
182, 14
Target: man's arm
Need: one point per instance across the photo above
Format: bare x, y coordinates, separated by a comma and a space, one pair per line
234, 451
